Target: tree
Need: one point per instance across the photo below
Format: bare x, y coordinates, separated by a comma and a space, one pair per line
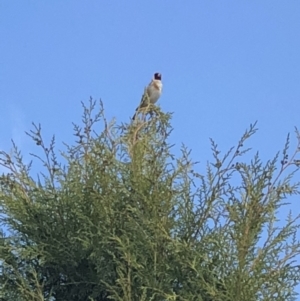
125, 219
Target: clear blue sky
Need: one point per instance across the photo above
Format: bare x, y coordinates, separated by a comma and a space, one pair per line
224, 64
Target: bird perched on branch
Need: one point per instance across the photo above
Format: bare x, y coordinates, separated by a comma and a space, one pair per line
152, 93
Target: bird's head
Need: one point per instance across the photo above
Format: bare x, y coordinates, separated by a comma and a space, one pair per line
157, 76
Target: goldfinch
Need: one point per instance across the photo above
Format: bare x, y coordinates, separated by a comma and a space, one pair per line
152, 93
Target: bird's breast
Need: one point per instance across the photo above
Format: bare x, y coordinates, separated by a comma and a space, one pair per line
154, 96
154, 91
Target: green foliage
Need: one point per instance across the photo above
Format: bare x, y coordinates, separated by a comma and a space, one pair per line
125, 219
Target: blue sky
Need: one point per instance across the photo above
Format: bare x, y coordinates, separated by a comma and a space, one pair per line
225, 64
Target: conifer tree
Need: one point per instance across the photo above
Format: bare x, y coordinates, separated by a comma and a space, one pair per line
117, 216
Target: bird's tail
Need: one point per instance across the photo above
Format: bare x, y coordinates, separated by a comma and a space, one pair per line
134, 116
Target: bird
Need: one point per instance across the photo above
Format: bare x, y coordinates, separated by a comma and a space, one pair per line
152, 93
